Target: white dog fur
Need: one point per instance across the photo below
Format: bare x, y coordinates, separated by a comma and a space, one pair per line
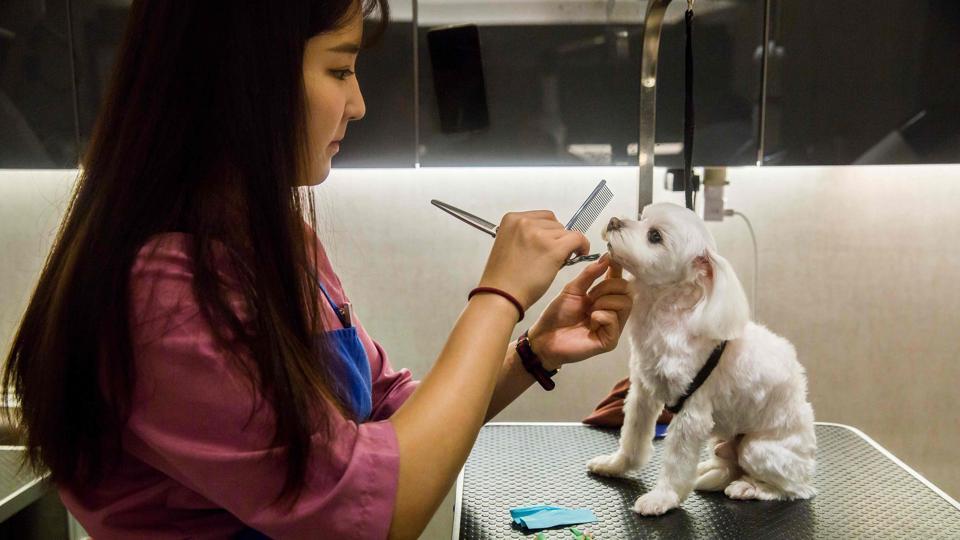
687, 299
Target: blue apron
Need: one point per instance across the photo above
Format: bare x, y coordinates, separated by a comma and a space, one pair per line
352, 372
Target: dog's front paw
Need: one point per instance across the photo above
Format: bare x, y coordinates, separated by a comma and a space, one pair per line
616, 464
656, 503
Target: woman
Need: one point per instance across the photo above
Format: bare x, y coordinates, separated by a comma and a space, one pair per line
188, 365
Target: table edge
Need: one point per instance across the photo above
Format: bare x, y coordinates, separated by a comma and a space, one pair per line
25, 495
898, 461
855, 431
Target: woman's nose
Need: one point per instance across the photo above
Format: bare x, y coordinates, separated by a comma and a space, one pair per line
614, 224
356, 108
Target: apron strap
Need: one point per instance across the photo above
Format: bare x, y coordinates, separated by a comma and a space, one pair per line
333, 304
342, 314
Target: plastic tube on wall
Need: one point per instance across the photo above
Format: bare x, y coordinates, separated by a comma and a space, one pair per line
714, 180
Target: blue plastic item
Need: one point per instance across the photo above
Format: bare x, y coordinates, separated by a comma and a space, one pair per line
544, 517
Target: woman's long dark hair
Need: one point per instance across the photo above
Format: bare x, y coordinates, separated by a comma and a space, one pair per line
203, 131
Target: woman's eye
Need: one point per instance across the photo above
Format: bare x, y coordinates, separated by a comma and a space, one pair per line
342, 74
653, 236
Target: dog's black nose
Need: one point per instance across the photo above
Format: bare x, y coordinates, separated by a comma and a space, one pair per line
615, 224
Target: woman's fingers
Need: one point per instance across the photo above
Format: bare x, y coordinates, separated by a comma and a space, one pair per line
581, 284
545, 215
601, 319
542, 214
613, 302
609, 286
570, 242
618, 304
575, 242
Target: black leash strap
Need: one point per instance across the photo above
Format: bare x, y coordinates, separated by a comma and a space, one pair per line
701, 377
688, 112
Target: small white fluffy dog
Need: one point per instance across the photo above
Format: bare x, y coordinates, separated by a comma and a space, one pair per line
687, 300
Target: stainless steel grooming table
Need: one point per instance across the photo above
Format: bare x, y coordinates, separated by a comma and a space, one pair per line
863, 491
19, 487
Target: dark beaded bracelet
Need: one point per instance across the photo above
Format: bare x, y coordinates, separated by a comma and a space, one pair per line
532, 363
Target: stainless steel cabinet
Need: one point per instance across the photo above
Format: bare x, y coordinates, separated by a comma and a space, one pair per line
859, 81
863, 81
562, 83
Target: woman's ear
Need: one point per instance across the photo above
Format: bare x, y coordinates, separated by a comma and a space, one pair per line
723, 312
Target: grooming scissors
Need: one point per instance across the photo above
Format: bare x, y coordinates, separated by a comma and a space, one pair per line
581, 220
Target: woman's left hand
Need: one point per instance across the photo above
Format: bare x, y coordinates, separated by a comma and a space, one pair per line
582, 321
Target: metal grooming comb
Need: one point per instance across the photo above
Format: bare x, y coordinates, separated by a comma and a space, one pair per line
591, 208
587, 214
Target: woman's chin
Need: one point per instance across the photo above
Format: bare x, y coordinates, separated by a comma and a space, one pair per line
319, 174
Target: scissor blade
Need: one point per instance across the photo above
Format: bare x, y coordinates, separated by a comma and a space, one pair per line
466, 217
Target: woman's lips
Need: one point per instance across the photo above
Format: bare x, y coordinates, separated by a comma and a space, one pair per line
334, 146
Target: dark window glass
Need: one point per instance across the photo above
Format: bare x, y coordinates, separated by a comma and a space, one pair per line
567, 94
37, 120
863, 81
98, 27
384, 138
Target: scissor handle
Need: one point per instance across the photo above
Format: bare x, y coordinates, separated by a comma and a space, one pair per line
581, 258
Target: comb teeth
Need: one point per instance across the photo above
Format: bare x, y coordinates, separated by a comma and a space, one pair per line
591, 209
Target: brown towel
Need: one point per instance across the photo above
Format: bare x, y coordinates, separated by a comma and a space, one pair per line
609, 413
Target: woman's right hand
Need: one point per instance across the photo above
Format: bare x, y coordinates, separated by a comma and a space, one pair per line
529, 250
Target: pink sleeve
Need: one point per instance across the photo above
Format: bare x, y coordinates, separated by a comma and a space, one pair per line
390, 388
195, 418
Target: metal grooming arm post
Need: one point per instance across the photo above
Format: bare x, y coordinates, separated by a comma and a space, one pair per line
652, 25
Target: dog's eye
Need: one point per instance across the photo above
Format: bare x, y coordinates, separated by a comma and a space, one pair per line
653, 236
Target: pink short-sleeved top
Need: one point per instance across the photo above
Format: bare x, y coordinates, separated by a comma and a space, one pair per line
195, 464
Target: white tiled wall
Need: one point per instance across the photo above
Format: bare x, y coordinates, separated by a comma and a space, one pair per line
858, 268
31, 206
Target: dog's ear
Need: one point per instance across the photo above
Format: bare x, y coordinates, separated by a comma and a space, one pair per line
723, 312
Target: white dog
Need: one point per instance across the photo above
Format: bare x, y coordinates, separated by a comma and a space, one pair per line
687, 302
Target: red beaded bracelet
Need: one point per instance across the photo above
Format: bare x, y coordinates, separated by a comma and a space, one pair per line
493, 290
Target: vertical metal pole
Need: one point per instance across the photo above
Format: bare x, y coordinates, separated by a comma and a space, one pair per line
764, 66
416, 85
652, 25
75, 86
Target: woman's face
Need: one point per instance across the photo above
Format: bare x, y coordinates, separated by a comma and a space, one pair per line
332, 93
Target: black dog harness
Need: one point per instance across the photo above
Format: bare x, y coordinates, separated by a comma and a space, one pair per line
701, 377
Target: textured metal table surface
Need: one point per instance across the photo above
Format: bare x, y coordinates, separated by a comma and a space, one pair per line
863, 491
18, 486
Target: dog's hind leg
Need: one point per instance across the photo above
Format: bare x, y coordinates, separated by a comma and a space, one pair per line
715, 474
640, 411
747, 487
719, 471
776, 467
